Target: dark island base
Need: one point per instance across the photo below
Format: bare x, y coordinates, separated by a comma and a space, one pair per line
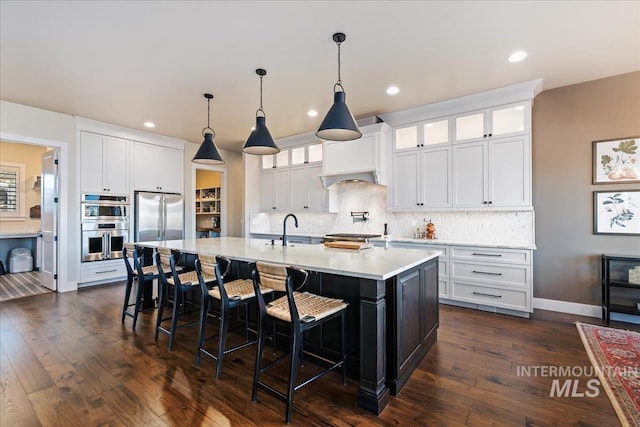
390, 325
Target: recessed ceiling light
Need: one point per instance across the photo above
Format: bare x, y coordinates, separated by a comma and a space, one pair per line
312, 113
253, 128
517, 56
392, 90
149, 124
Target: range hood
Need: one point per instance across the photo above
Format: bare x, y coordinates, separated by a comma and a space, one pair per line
373, 176
362, 159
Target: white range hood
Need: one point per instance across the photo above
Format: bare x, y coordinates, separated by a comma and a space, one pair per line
363, 159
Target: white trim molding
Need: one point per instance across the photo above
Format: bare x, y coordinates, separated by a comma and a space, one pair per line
567, 307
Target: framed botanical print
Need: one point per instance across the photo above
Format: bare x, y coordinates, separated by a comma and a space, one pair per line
616, 212
616, 161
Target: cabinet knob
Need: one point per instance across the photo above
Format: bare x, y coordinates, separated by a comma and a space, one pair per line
485, 202
490, 134
485, 135
273, 207
490, 202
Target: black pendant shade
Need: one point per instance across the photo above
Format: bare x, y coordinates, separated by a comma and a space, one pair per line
260, 140
208, 153
339, 124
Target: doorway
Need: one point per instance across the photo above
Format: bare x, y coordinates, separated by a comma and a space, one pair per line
208, 203
57, 260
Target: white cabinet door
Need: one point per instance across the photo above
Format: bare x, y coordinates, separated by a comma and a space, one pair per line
275, 190
470, 175
509, 172
283, 196
406, 180
91, 163
318, 200
268, 187
172, 170
436, 177
299, 193
104, 164
147, 167
116, 165
157, 168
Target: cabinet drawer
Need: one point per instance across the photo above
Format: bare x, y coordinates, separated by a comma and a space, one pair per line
511, 256
101, 272
506, 298
495, 273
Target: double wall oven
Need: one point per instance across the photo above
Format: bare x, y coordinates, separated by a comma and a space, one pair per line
105, 226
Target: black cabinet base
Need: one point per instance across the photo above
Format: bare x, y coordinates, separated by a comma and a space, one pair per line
371, 402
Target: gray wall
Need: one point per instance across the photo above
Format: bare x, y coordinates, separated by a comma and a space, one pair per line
565, 122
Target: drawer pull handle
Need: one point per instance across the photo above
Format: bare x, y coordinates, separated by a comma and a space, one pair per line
106, 271
487, 295
487, 272
481, 254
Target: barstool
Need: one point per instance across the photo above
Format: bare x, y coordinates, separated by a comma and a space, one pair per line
227, 296
300, 311
182, 284
135, 272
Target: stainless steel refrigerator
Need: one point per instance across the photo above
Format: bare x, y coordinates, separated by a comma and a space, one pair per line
158, 216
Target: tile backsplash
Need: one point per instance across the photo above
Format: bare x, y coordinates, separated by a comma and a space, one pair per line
483, 226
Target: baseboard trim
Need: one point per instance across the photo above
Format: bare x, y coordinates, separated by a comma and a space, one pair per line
567, 307
581, 309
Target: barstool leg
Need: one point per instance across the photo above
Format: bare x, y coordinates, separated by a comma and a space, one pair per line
162, 302
344, 349
222, 339
204, 312
174, 317
136, 309
258, 366
127, 295
296, 341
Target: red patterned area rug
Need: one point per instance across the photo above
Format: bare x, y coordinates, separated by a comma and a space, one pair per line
615, 355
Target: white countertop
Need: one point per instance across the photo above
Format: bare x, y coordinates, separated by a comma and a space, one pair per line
484, 244
504, 245
20, 235
375, 263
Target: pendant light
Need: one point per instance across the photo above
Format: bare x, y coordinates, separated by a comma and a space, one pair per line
339, 124
260, 140
208, 153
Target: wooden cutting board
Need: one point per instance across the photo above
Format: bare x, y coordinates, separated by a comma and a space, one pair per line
348, 245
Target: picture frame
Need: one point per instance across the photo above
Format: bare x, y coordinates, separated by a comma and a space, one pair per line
616, 212
616, 161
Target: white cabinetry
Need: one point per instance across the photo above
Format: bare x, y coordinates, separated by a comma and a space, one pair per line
275, 190
494, 277
492, 173
104, 164
443, 263
307, 192
506, 120
157, 168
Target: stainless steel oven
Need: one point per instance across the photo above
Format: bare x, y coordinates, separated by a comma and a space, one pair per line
103, 240
104, 207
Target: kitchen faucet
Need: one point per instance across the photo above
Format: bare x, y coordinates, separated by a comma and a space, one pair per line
284, 227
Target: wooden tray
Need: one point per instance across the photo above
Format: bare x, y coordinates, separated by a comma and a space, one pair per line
342, 244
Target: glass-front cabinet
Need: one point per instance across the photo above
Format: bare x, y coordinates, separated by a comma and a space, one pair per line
422, 135
506, 120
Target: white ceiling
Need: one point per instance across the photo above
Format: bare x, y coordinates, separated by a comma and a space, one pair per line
128, 62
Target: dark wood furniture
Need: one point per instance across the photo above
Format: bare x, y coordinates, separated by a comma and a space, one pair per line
615, 275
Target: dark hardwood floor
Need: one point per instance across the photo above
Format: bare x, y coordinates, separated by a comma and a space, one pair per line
66, 360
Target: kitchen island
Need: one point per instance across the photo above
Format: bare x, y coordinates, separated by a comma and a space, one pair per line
392, 318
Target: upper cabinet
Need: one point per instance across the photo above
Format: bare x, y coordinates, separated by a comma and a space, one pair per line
472, 152
275, 194
104, 164
157, 168
506, 120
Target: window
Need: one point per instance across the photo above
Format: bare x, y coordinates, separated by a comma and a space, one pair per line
12, 190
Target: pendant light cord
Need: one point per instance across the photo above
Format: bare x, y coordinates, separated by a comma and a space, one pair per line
339, 82
261, 109
209, 119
